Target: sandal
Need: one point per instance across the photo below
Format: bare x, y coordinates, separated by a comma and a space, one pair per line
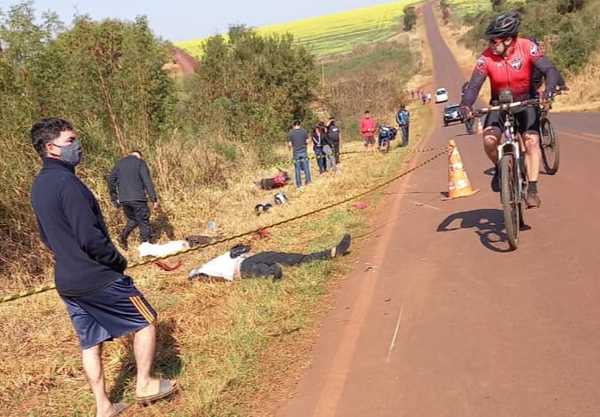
166, 387
119, 408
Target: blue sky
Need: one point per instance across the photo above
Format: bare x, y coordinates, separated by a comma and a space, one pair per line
187, 19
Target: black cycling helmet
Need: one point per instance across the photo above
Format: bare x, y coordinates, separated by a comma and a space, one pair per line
504, 26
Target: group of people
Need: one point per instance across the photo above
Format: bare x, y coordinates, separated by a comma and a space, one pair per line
101, 300
326, 140
424, 96
370, 129
103, 303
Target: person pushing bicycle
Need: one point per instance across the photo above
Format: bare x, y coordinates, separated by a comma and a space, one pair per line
509, 62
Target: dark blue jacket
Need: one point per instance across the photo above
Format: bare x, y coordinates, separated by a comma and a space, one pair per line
72, 227
130, 181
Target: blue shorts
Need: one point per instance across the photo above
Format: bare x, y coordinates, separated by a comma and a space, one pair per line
108, 313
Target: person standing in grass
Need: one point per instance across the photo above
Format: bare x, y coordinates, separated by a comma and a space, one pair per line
297, 142
102, 302
318, 139
367, 129
131, 186
403, 120
334, 137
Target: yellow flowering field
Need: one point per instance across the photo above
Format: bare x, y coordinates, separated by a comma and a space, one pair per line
334, 33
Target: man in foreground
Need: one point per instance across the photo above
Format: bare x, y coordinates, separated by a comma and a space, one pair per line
509, 62
239, 262
102, 302
130, 186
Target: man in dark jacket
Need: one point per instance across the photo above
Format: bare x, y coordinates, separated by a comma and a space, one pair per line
102, 302
334, 137
130, 186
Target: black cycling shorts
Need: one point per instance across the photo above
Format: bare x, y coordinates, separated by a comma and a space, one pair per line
527, 120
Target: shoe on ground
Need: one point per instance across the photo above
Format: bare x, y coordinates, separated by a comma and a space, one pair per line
532, 199
277, 272
496, 181
342, 247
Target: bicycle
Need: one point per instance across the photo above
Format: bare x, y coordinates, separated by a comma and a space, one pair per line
511, 163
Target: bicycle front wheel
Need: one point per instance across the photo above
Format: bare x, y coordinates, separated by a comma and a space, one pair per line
509, 196
549, 146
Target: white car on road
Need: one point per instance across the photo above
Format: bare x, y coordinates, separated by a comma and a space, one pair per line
441, 95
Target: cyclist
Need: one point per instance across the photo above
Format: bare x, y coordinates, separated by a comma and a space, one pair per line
509, 62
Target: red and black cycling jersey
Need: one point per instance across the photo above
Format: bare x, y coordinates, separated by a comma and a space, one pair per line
512, 72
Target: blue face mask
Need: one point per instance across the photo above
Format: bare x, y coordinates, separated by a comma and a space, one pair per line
71, 153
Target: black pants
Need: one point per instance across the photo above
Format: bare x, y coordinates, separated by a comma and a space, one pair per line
336, 150
404, 130
137, 214
261, 264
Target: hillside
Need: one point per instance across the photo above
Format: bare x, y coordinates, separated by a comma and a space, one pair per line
322, 37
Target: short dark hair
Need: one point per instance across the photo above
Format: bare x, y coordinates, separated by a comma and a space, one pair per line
367, 111
296, 123
46, 130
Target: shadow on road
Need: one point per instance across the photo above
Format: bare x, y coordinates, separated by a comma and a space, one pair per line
488, 225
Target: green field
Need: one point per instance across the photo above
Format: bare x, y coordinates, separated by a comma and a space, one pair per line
335, 33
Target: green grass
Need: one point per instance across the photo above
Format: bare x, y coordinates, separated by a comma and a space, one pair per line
335, 33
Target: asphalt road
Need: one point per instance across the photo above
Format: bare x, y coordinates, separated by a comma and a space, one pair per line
440, 319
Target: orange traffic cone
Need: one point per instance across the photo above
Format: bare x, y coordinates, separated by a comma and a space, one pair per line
458, 182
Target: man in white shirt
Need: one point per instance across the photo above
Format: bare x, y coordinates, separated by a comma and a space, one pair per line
232, 264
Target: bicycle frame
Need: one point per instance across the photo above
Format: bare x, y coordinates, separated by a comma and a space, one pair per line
511, 143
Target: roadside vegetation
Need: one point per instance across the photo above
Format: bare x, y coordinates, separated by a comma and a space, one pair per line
206, 139
335, 33
106, 78
569, 30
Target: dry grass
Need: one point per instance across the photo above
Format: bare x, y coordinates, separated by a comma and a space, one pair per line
584, 90
233, 347
211, 335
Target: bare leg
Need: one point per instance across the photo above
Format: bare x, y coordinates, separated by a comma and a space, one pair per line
92, 365
490, 145
532, 155
144, 348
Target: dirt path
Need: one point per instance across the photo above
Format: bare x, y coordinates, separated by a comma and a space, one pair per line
439, 320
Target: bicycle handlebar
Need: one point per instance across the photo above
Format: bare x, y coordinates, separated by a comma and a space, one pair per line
517, 104
508, 106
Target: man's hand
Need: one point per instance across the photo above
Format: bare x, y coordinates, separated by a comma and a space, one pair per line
155, 205
466, 112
